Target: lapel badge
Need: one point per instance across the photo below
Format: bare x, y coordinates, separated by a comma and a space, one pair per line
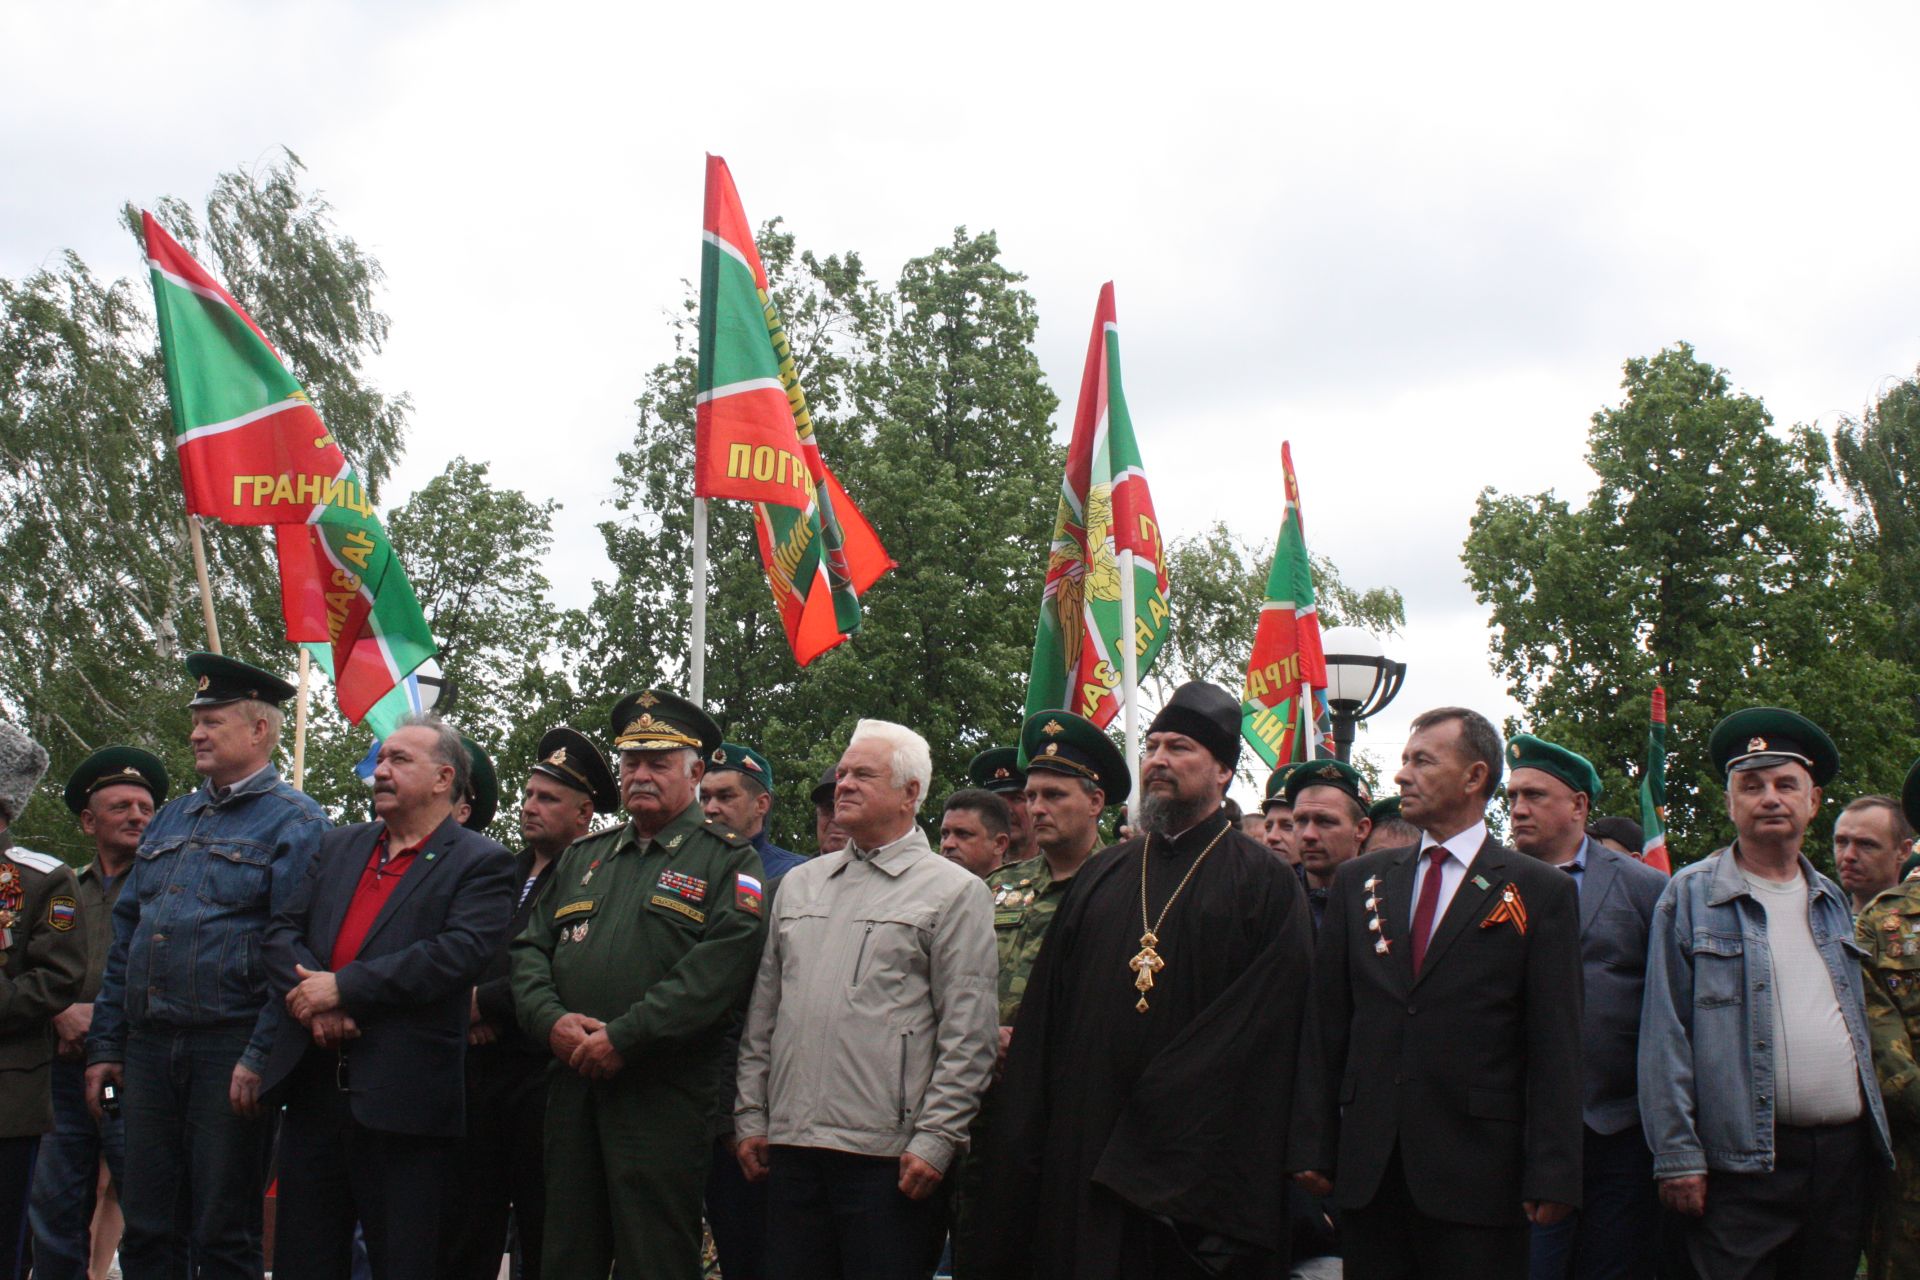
1482, 882
1369, 883
1381, 946
675, 842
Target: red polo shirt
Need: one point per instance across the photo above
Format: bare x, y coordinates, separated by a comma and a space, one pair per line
377, 884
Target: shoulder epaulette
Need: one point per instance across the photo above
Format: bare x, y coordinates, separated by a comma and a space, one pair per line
45, 863
726, 833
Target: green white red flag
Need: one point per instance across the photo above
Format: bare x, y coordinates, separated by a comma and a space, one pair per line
1653, 788
253, 450
754, 440
1105, 510
1286, 688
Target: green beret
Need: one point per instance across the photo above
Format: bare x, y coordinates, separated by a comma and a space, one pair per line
115, 766
1761, 737
219, 680
998, 770
1337, 774
742, 760
1276, 792
656, 720
1572, 768
483, 787
1385, 809
1061, 742
574, 760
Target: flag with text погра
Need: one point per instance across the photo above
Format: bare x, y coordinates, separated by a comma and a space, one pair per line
1286, 690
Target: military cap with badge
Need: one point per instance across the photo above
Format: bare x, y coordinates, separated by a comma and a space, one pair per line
656, 720
219, 680
116, 767
1554, 760
743, 760
1765, 737
1276, 788
483, 787
572, 759
1337, 774
1385, 809
997, 769
1060, 742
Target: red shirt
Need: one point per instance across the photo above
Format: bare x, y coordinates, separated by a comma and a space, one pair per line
377, 884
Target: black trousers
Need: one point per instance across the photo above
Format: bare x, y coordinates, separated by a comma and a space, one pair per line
1807, 1220
1390, 1239
498, 1168
16, 1181
335, 1172
737, 1216
839, 1216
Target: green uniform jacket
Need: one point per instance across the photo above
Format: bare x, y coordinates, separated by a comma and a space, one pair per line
1025, 896
658, 941
96, 922
1889, 931
46, 961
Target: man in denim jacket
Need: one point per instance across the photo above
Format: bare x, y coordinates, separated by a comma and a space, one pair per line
1757, 1088
183, 1022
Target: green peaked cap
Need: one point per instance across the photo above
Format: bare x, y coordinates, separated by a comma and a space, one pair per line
1761, 737
1061, 742
659, 720
218, 680
998, 770
1276, 792
115, 766
1385, 809
574, 760
1572, 768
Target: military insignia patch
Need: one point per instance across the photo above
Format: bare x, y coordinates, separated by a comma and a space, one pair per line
674, 904
647, 699
558, 758
575, 908
61, 913
131, 772
751, 764
747, 894
1756, 744
719, 755
682, 885
1052, 727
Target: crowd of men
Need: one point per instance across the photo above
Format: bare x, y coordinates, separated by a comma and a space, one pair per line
1341, 1036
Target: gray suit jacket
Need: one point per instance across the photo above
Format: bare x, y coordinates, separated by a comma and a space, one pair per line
1617, 895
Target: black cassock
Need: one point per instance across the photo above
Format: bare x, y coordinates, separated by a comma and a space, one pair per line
1130, 1144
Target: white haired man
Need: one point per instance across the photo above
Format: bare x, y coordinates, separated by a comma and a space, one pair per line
871, 1032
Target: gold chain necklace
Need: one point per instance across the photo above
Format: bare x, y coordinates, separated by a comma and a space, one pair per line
1148, 961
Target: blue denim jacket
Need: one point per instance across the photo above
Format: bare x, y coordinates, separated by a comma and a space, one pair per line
1706, 1022
187, 926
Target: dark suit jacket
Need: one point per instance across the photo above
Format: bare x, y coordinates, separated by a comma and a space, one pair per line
494, 991
1473, 1069
1617, 896
409, 987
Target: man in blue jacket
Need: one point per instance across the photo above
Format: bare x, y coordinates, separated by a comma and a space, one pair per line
183, 1021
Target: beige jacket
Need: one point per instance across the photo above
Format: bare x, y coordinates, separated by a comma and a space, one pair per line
873, 1026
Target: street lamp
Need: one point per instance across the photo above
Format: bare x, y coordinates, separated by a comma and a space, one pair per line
1361, 681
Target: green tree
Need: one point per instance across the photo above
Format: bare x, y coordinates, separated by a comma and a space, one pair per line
1878, 461
1707, 560
102, 603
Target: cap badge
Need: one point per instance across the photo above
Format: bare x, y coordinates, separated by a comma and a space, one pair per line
647, 699
1053, 748
1327, 771
1756, 744
1003, 772
750, 763
558, 758
1513, 751
131, 772
1052, 727
202, 686
719, 755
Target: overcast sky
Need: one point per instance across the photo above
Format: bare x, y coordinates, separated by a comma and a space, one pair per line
1416, 240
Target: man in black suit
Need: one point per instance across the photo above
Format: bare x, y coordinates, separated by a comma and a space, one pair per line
1440, 1098
375, 959
1550, 792
499, 1166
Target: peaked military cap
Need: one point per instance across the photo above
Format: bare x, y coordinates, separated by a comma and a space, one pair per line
113, 767
1572, 768
574, 760
1761, 737
822, 792
483, 787
1337, 774
1385, 809
1276, 792
1061, 742
998, 770
219, 680
742, 760
1910, 799
655, 720
1206, 713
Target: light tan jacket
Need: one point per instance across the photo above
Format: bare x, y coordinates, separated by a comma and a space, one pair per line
872, 1027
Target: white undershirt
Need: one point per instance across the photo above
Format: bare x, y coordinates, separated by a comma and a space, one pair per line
1461, 851
1814, 1074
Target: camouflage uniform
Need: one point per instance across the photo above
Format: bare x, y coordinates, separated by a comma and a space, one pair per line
1025, 896
1889, 930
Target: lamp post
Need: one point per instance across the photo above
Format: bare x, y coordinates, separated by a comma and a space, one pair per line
1361, 681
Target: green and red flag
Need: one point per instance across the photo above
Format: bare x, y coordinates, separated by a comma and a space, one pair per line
1653, 788
754, 440
1286, 690
1105, 510
253, 450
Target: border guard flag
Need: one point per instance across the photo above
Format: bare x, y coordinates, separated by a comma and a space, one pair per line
1105, 519
253, 450
754, 441
1653, 788
1287, 673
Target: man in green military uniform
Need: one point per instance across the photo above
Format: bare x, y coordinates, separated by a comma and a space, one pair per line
43, 960
1889, 930
642, 949
998, 769
1276, 812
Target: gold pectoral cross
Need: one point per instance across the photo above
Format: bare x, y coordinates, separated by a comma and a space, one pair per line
1144, 966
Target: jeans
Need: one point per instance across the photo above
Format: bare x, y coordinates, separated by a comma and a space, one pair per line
61, 1210
1612, 1236
200, 1170
839, 1216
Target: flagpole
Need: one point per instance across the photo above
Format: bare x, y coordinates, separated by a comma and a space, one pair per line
697, 655
206, 587
300, 724
1130, 679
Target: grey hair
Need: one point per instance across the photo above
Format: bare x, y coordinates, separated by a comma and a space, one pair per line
447, 748
1480, 740
254, 709
909, 754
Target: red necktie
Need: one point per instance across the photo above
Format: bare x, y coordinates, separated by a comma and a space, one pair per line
1429, 903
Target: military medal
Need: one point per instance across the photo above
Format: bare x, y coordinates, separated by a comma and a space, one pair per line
1147, 961
1376, 923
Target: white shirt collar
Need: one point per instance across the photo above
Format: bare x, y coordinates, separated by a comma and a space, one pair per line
1462, 846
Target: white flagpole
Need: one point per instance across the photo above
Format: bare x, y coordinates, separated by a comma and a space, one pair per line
206, 587
300, 724
697, 655
1130, 680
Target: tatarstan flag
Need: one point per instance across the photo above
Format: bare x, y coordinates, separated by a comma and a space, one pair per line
1287, 674
754, 441
1653, 788
1105, 509
253, 450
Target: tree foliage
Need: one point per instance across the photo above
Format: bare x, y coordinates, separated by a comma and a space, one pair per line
1878, 461
1707, 559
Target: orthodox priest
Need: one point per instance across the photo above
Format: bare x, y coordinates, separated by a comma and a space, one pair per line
1151, 1071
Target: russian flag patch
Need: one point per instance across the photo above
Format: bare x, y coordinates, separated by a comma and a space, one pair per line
747, 894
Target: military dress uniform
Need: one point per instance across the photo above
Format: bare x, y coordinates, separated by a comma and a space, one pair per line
1889, 931
659, 939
